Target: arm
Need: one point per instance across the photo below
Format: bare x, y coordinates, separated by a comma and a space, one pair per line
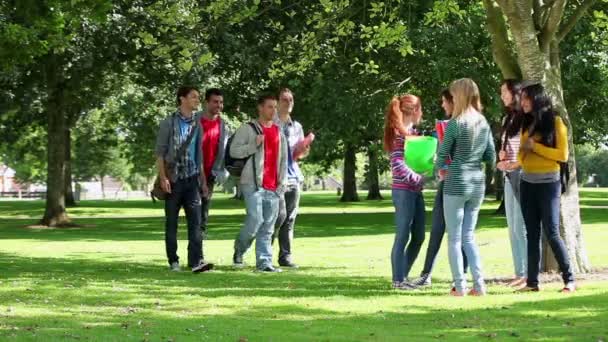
449, 139
283, 164
489, 155
162, 138
242, 144
559, 153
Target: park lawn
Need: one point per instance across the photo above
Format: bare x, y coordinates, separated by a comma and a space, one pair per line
108, 280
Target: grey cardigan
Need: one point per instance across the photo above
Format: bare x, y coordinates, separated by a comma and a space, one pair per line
244, 144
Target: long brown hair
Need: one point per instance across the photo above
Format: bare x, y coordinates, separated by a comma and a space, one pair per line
393, 117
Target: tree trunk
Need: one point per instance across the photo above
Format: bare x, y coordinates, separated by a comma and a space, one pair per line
55, 214
103, 188
69, 192
373, 193
350, 179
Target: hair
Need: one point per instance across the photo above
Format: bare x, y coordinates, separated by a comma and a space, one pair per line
183, 91
285, 90
465, 94
213, 92
512, 113
393, 117
542, 118
262, 98
445, 93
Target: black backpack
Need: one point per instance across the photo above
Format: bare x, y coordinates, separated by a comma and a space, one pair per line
235, 165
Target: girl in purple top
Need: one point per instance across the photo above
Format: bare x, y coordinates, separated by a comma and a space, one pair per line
401, 115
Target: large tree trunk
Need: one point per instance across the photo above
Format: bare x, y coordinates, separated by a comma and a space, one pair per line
537, 51
350, 179
55, 214
373, 193
69, 192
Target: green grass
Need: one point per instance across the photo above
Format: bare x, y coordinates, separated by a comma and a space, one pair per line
108, 281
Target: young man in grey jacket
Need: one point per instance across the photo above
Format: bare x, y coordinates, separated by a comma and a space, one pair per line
181, 177
262, 182
213, 147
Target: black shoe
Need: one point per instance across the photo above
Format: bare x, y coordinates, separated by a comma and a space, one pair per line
237, 260
288, 264
202, 267
270, 269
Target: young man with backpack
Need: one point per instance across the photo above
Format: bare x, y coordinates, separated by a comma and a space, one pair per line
263, 148
179, 161
213, 146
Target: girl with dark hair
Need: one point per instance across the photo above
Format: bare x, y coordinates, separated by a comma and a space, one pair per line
544, 145
510, 92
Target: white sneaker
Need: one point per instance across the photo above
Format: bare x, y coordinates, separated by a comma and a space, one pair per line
174, 266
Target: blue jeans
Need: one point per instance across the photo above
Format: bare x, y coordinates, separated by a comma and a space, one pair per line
540, 204
517, 231
262, 210
409, 219
437, 232
461, 218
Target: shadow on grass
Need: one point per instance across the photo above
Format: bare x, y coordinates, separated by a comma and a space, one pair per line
108, 300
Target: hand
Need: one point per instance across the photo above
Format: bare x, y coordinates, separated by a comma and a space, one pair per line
165, 184
442, 174
528, 145
259, 139
204, 189
502, 155
502, 166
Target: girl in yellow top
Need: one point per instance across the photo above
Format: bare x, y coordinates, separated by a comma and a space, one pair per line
544, 144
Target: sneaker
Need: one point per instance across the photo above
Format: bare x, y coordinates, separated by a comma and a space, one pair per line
403, 285
287, 264
424, 280
174, 266
237, 260
455, 293
270, 269
569, 287
528, 289
476, 293
202, 267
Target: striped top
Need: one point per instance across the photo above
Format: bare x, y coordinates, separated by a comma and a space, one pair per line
404, 178
468, 139
512, 147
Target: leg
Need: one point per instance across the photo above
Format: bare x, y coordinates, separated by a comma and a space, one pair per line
292, 201
253, 220
205, 205
417, 230
437, 232
172, 205
550, 223
263, 247
281, 218
469, 222
192, 207
454, 215
404, 215
531, 211
513, 212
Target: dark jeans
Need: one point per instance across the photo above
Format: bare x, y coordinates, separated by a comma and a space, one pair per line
437, 232
184, 193
205, 204
540, 204
283, 228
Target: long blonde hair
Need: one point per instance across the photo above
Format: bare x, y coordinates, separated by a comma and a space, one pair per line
393, 117
466, 96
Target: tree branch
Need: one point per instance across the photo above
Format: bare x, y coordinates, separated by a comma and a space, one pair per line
574, 18
502, 51
549, 29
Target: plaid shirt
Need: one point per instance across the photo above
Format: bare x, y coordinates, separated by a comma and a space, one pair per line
185, 164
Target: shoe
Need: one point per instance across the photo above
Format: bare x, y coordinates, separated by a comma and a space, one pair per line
570, 287
202, 267
270, 269
237, 260
287, 264
517, 282
455, 293
174, 266
403, 285
528, 289
424, 280
476, 293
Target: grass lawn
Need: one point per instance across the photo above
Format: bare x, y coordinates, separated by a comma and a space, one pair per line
108, 281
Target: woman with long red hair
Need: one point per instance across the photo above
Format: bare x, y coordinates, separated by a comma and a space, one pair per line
402, 114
